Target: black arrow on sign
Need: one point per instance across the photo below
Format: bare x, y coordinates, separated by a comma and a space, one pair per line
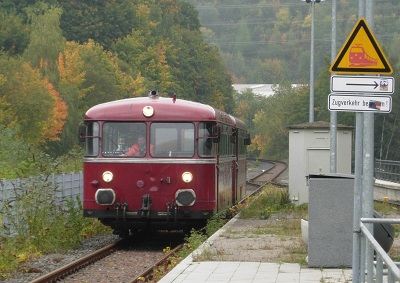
375, 84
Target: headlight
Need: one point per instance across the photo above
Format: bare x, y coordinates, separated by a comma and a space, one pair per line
187, 177
107, 176
148, 111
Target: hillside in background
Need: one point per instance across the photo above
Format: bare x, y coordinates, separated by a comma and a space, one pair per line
269, 41
60, 57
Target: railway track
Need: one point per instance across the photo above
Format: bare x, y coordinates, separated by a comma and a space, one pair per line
119, 262
77, 264
263, 172
123, 261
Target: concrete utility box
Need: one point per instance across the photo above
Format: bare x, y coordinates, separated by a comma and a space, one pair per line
330, 220
309, 153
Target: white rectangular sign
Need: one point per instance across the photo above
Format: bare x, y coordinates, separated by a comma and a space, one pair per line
362, 84
360, 103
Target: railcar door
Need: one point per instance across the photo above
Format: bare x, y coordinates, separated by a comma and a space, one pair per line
225, 170
243, 139
235, 168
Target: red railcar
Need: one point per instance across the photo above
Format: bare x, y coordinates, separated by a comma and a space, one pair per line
193, 163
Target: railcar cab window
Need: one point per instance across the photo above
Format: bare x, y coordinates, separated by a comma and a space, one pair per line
89, 132
207, 139
120, 137
172, 140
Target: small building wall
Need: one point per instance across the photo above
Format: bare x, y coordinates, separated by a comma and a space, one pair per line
309, 153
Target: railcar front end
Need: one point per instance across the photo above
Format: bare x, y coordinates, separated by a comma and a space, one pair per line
177, 178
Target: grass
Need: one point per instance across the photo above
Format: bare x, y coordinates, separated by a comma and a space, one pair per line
34, 223
385, 208
272, 199
197, 237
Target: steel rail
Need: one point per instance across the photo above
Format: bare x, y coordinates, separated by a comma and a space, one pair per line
72, 267
147, 273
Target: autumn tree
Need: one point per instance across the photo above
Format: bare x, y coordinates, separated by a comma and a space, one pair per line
288, 106
52, 127
31, 105
173, 57
89, 75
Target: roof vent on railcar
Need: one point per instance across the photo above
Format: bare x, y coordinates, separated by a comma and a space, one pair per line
153, 94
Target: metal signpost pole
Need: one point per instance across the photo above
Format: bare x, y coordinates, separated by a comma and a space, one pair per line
311, 114
358, 183
333, 114
368, 164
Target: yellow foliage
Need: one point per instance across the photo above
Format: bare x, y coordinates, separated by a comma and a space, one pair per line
56, 120
22, 257
70, 65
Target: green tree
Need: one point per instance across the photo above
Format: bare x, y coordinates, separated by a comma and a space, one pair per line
247, 105
243, 42
46, 40
103, 79
270, 71
102, 21
286, 107
14, 34
175, 58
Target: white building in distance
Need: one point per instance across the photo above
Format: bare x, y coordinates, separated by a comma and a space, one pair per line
259, 89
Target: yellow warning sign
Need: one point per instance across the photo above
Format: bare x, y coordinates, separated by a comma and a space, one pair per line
361, 54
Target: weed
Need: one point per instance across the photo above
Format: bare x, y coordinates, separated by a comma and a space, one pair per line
267, 202
192, 242
385, 208
35, 222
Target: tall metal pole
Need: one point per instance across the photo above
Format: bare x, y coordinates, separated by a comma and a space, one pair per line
358, 263
311, 115
333, 114
368, 162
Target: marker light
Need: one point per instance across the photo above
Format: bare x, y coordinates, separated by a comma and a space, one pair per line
187, 177
108, 176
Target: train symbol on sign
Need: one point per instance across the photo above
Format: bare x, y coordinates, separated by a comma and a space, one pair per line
383, 85
358, 57
361, 54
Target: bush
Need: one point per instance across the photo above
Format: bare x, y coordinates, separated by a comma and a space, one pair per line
35, 221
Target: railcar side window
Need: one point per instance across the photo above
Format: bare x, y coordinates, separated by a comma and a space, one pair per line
242, 143
206, 146
92, 138
119, 137
172, 139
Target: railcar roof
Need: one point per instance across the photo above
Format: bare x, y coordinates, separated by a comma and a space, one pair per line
165, 109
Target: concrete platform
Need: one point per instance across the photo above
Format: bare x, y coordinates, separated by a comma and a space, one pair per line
190, 271
256, 272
